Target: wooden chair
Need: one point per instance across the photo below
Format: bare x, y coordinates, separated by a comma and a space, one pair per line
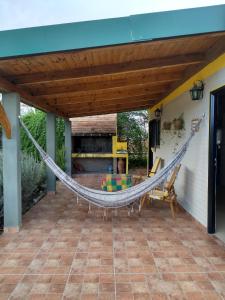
139, 178
155, 167
168, 193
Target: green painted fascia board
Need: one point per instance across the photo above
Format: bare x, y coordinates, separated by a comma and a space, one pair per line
71, 36
64, 37
179, 22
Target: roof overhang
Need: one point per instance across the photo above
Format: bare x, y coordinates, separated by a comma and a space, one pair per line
89, 34
111, 65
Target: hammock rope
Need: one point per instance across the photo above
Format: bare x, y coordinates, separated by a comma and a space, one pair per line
114, 199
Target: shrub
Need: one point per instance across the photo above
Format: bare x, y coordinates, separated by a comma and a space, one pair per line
136, 162
33, 180
33, 177
132, 127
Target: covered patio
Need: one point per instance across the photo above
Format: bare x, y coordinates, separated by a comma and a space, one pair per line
57, 250
74, 70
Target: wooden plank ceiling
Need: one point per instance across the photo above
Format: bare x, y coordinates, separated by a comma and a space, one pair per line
109, 79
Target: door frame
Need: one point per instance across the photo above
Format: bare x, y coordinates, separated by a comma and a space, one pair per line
211, 224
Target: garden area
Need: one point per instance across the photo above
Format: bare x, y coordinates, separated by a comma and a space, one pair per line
33, 170
132, 127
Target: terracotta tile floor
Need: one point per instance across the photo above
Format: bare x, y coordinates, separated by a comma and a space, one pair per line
62, 252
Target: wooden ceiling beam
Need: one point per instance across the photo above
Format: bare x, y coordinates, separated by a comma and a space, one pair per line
125, 67
125, 103
6, 86
109, 105
105, 83
27, 98
89, 104
111, 94
216, 50
74, 114
127, 108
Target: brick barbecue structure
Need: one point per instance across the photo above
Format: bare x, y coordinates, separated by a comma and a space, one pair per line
95, 146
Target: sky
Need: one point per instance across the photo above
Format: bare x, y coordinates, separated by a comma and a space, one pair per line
30, 13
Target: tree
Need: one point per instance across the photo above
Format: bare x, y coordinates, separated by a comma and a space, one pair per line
132, 127
36, 123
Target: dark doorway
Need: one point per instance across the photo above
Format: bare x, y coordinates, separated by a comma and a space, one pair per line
216, 205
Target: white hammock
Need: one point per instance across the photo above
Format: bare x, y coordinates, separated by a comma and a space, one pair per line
113, 199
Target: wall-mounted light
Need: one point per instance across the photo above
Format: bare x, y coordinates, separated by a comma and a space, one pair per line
158, 113
197, 90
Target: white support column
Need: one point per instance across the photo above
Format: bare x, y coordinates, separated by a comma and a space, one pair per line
114, 165
68, 147
12, 165
51, 145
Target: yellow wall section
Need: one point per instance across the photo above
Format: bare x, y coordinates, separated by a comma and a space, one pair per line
99, 155
207, 71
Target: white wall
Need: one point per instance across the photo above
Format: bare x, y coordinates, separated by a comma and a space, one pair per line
192, 182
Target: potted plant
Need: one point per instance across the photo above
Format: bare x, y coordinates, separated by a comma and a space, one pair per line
178, 123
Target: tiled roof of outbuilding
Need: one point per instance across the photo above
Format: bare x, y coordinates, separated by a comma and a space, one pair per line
100, 124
